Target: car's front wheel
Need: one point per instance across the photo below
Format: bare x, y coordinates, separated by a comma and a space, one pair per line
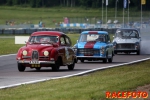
82, 60
105, 60
110, 59
71, 67
21, 67
56, 66
138, 52
38, 68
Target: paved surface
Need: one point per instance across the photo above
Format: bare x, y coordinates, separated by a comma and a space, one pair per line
9, 73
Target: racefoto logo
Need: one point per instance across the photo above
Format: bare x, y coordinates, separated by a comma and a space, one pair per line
128, 94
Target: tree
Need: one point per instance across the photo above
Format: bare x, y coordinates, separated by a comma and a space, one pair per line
75, 3
33, 3
9, 2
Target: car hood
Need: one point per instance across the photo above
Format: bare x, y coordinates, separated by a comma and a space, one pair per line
91, 44
132, 40
38, 47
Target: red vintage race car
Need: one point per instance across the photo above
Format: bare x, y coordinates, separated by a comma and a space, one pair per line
46, 49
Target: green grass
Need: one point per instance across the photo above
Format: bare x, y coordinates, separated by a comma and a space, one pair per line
22, 15
89, 87
8, 46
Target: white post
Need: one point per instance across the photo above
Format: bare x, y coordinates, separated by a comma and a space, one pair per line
128, 10
106, 10
102, 11
116, 10
141, 15
123, 17
106, 14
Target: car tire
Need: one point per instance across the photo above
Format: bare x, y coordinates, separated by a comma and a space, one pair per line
21, 67
105, 60
138, 52
56, 66
115, 52
38, 68
71, 67
82, 60
110, 59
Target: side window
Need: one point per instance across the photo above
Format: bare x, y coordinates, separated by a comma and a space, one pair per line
68, 42
108, 38
62, 41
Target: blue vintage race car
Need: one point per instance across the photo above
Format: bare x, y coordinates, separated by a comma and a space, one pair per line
94, 45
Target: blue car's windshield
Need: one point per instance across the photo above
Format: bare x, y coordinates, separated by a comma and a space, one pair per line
92, 37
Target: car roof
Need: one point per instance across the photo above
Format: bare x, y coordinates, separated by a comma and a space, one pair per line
129, 29
94, 32
137, 29
53, 33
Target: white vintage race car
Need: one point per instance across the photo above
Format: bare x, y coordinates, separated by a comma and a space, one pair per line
127, 41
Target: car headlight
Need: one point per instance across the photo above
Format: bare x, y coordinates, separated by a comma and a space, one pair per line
74, 49
46, 53
102, 50
137, 45
114, 44
24, 52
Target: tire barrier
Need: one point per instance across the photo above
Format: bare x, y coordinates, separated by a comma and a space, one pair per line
73, 28
65, 30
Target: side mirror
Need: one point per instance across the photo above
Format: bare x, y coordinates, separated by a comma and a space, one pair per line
26, 42
109, 41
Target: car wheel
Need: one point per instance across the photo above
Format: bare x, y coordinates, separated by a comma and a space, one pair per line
56, 66
38, 68
110, 59
115, 52
71, 67
21, 67
82, 60
138, 52
105, 60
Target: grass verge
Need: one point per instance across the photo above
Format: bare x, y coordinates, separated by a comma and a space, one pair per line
8, 46
51, 16
89, 87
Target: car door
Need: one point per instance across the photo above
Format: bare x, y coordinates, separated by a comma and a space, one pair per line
110, 46
68, 50
62, 49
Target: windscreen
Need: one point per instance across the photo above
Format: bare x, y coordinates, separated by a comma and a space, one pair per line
92, 37
43, 39
127, 34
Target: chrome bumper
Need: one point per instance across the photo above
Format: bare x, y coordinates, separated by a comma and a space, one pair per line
35, 62
91, 57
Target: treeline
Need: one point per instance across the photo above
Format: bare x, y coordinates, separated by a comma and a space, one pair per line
75, 3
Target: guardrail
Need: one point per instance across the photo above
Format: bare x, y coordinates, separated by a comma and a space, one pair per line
67, 28
20, 31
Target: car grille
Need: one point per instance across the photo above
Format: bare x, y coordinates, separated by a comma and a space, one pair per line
89, 52
35, 55
125, 46
43, 58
